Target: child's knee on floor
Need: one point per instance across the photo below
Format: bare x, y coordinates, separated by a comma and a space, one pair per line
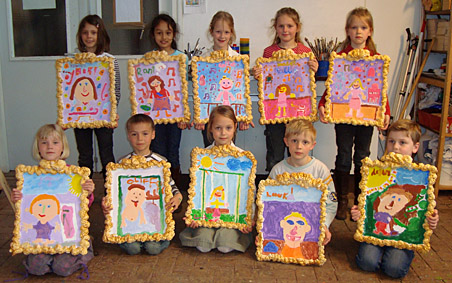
154, 248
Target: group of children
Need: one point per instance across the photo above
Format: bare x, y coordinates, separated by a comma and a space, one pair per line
158, 142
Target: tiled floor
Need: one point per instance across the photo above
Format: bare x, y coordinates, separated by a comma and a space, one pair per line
179, 264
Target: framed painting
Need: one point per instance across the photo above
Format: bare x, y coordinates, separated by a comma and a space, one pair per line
286, 88
396, 197
86, 91
52, 216
356, 88
290, 219
221, 80
221, 191
158, 87
138, 191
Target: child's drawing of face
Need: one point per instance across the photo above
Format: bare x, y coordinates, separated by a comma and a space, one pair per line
392, 203
44, 210
83, 90
155, 83
294, 230
355, 84
136, 196
282, 90
226, 83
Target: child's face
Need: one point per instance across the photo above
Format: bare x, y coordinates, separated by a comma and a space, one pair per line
140, 136
286, 29
163, 35
84, 91
400, 142
89, 37
223, 130
45, 210
221, 34
299, 147
392, 203
50, 148
358, 32
294, 230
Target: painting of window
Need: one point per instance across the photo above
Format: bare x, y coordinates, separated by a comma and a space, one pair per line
291, 217
286, 88
85, 92
138, 191
397, 196
158, 87
357, 88
221, 192
52, 215
220, 79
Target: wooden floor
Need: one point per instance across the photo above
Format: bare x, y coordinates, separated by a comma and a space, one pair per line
180, 264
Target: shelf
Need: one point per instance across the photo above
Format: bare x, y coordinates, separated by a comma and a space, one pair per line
439, 13
432, 79
445, 187
449, 135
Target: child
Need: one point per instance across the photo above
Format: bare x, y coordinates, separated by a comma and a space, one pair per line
140, 133
359, 29
403, 138
221, 28
93, 37
51, 144
163, 33
221, 130
300, 138
287, 27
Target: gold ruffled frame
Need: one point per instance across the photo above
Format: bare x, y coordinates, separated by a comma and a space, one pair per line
394, 161
357, 55
51, 167
138, 162
221, 151
279, 56
154, 57
217, 57
83, 58
303, 180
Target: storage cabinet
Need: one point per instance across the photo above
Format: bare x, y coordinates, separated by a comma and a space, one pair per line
445, 84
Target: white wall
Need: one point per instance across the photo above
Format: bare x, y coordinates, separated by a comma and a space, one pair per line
29, 86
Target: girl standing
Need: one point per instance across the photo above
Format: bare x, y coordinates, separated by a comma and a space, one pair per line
221, 29
163, 33
93, 37
287, 27
222, 128
51, 144
359, 28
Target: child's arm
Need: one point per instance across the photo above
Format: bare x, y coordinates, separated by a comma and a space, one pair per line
313, 65
433, 220
322, 114
16, 195
355, 213
327, 236
174, 202
331, 206
105, 209
88, 186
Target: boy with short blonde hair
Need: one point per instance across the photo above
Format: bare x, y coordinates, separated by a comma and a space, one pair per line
300, 139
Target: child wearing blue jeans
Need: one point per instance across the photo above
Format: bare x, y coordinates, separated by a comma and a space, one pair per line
403, 138
140, 133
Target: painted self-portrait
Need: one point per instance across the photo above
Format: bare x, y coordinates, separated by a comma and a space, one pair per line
83, 90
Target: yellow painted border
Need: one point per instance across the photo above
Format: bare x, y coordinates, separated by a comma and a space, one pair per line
138, 162
305, 181
357, 55
394, 160
286, 55
83, 58
216, 57
221, 151
52, 167
156, 57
